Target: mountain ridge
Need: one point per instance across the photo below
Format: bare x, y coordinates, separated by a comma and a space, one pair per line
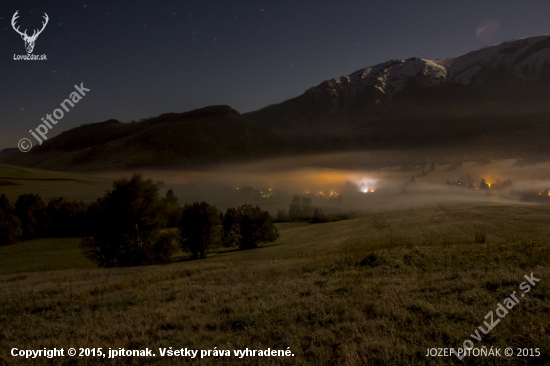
344, 103
500, 90
208, 135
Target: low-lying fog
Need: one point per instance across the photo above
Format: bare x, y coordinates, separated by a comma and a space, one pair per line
357, 188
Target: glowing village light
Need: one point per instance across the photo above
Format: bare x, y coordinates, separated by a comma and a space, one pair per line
366, 185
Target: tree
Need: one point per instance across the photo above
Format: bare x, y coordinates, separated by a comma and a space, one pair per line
300, 208
172, 209
282, 215
248, 226
10, 229
66, 218
295, 209
318, 215
31, 211
125, 226
307, 208
5, 204
198, 227
483, 184
230, 236
10, 225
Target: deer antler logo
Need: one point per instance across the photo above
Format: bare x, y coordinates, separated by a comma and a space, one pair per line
29, 40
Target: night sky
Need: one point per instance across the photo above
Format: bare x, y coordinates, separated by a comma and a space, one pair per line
144, 58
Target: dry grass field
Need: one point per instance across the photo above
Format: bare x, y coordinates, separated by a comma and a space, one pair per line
401, 276
373, 290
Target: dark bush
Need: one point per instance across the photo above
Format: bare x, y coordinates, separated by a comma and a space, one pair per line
372, 260
480, 237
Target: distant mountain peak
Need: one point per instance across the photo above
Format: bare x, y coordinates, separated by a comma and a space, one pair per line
523, 59
341, 103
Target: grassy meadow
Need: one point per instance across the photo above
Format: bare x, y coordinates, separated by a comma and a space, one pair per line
43, 255
372, 290
377, 289
15, 181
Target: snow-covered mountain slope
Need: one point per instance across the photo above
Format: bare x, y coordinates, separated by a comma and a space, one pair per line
513, 70
508, 62
389, 77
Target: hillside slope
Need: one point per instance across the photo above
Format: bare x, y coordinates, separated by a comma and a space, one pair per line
454, 115
209, 135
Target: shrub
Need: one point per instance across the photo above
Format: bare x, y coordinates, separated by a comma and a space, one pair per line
372, 260
480, 236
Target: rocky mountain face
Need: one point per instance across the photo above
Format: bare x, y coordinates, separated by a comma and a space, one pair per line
511, 70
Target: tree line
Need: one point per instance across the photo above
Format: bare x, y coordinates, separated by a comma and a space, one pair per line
133, 225
30, 218
302, 209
